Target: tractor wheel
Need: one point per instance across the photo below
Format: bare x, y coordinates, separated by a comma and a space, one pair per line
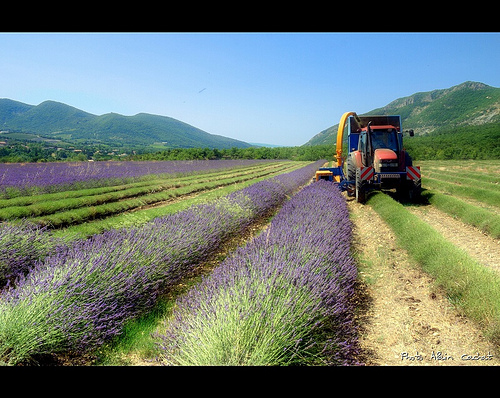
360, 188
414, 190
409, 191
351, 169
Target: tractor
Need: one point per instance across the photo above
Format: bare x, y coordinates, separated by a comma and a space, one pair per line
375, 158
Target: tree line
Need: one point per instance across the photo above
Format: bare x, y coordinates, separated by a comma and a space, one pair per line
30, 151
464, 142
306, 153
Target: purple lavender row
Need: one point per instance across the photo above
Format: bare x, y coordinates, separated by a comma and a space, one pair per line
21, 246
52, 177
284, 298
78, 299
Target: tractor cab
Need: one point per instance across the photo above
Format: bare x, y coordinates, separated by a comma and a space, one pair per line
379, 146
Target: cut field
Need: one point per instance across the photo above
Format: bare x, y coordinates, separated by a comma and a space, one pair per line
430, 271
469, 190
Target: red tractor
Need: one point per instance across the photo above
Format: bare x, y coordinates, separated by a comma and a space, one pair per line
376, 158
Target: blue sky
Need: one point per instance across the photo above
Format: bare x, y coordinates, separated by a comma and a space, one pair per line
277, 88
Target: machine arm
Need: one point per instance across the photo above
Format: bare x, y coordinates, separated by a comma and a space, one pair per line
340, 134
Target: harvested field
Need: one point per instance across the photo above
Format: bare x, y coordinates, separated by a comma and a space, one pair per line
413, 309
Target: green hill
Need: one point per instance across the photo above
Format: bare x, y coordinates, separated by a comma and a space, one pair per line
460, 142
10, 110
61, 121
467, 104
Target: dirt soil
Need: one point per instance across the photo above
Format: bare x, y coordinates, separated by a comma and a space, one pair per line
403, 318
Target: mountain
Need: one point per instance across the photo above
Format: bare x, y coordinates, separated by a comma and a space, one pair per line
57, 120
466, 104
260, 144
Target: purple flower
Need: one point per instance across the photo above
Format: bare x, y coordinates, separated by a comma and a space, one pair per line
289, 289
53, 177
81, 295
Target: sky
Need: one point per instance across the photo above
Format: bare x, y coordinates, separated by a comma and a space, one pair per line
273, 88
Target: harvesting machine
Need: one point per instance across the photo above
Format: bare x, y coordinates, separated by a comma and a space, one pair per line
375, 158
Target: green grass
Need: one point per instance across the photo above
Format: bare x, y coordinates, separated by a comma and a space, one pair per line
482, 166
136, 339
449, 185
473, 288
464, 176
485, 220
63, 203
487, 196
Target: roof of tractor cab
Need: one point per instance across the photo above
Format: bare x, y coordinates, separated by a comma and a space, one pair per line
381, 127
359, 122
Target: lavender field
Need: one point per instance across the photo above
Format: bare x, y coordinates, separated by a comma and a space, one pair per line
18, 178
284, 298
28, 223
64, 195
72, 297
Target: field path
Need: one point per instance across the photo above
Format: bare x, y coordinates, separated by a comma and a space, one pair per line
403, 318
483, 248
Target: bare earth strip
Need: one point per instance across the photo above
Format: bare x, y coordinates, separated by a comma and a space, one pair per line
403, 318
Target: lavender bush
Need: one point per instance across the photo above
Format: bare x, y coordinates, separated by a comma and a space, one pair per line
284, 298
21, 245
80, 297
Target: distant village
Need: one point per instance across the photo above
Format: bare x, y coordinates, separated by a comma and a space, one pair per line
20, 147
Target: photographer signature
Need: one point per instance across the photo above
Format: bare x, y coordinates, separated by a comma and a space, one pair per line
443, 356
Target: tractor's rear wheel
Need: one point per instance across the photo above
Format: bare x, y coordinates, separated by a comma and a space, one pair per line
414, 191
360, 188
409, 191
351, 168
